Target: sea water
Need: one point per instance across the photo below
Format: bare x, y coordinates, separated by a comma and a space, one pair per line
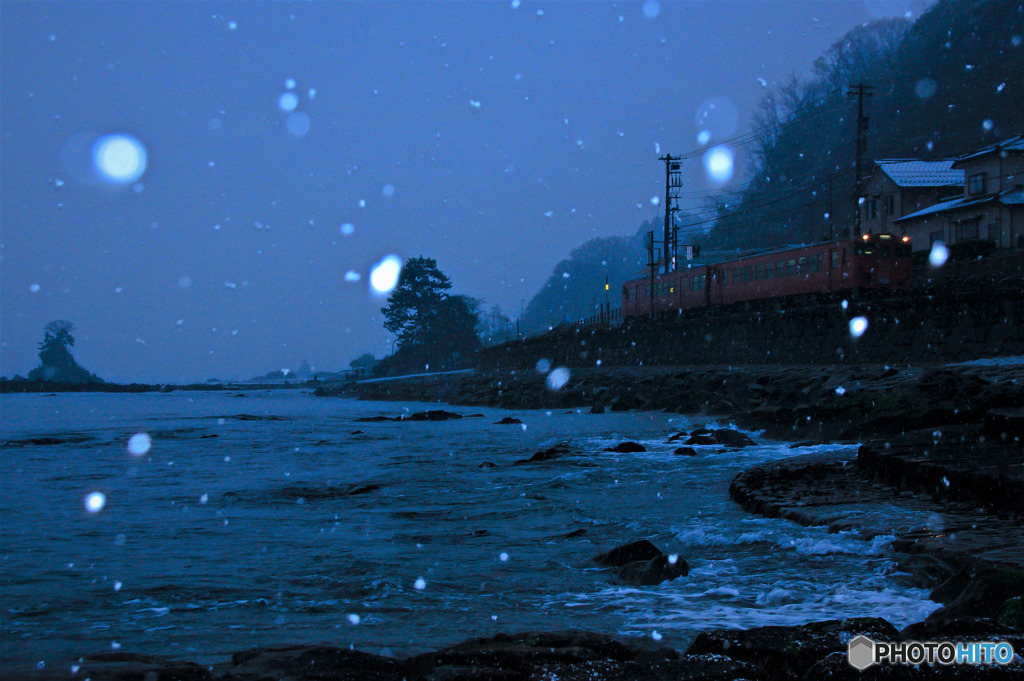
198, 524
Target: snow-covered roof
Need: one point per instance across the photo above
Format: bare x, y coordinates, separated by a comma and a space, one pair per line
937, 208
1008, 197
1011, 144
1012, 197
913, 173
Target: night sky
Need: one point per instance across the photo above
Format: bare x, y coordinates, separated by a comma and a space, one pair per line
290, 146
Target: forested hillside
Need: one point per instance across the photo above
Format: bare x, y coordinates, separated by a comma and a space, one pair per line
941, 86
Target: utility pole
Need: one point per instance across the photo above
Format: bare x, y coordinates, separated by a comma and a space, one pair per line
651, 265
860, 91
673, 186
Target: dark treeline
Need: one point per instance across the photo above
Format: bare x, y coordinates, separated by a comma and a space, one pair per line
941, 86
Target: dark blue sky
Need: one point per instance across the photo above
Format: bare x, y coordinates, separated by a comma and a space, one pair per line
491, 137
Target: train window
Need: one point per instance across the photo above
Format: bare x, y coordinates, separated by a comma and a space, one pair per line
886, 250
835, 258
790, 267
759, 272
812, 262
694, 283
780, 269
903, 250
735, 274
801, 264
769, 270
745, 274
866, 248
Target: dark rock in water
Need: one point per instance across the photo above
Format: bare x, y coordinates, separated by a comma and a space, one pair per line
432, 415
652, 572
628, 553
508, 421
474, 416
374, 419
357, 432
701, 437
354, 490
732, 438
546, 454
983, 596
685, 451
597, 409
788, 652
575, 533
130, 666
627, 448
678, 436
300, 663
206, 437
486, 464
47, 441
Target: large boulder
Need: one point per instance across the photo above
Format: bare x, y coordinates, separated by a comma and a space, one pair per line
652, 572
627, 447
628, 553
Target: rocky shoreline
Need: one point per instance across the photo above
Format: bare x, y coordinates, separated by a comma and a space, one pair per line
941, 438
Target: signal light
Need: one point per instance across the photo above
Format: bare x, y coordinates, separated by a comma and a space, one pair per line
906, 239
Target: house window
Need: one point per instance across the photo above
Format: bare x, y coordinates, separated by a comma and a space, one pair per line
890, 204
871, 209
976, 184
967, 230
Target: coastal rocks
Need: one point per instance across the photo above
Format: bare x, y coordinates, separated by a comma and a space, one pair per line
652, 572
627, 447
721, 436
641, 563
301, 663
685, 451
429, 415
508, 421
567, 656
788, 652
627, 553
546, 454
125, 666
983, 596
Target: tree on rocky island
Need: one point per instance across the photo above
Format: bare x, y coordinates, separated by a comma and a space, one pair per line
434, 330
57, 365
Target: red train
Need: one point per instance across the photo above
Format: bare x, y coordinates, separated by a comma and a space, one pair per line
869, 261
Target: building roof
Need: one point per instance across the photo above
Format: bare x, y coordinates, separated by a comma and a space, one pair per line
1008, 197
1011, 144
912, 173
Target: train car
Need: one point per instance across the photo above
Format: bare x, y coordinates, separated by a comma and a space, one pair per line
869, 261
